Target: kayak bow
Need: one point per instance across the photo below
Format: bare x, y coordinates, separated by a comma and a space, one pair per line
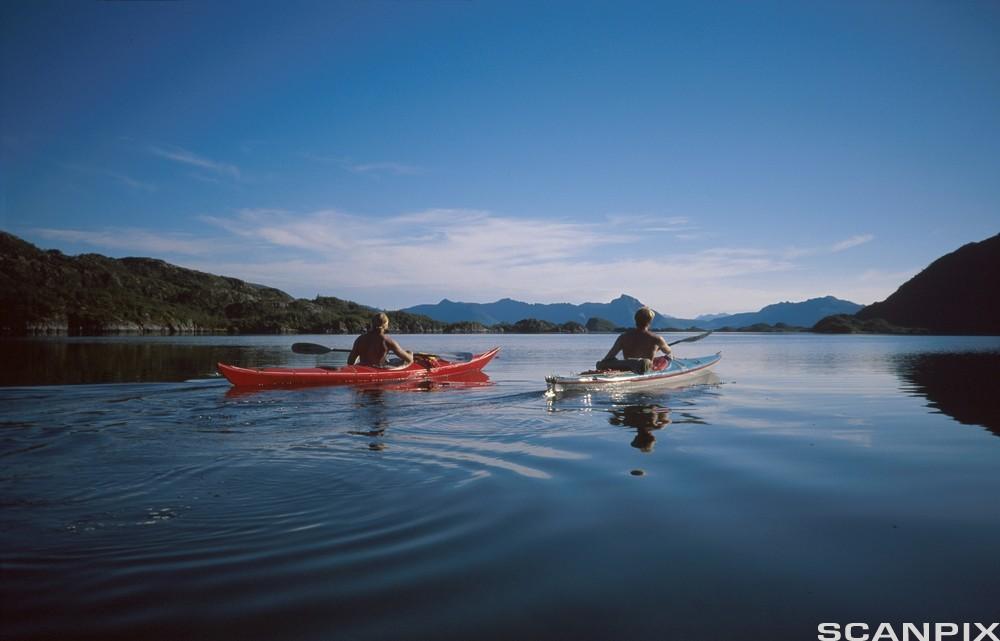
420, 369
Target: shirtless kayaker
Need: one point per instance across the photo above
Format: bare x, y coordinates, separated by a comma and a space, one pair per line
373, 346
638, 345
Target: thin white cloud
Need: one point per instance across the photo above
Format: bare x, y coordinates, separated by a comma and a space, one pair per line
835, 248
117, 176
252, 145
853, 241
323, 159
466, 236
476, 255
190, 158
205, 178
394, 168
134, 240
131, 182
652, 223
380, 167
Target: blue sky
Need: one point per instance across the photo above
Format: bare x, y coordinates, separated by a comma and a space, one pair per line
703, 157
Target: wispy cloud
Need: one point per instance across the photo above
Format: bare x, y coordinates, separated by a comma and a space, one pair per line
477, 254
121, 178
466, 236
835, 248
322, 158
879, 275
134, 240
186, 157
381, 167
252, 145
853, 241
205, 178
132, 182
395, 168
652, 223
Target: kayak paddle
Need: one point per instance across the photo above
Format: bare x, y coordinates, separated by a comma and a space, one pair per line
689, 339
313, 348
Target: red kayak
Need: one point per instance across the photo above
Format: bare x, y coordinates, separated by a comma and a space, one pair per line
423, 368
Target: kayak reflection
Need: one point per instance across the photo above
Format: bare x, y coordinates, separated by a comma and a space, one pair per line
458, 381
645, 419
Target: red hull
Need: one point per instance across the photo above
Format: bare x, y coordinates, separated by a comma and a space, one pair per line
351, 374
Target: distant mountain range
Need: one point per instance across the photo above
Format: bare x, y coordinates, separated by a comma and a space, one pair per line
958, 293
802, 314
621, 311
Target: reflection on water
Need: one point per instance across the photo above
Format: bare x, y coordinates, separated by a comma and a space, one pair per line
71, 362
964, 386
645, 419
370, 412
478, 510
456, 381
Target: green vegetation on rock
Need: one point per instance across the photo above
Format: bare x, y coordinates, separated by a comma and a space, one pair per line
595, 324
50, 292
846, 324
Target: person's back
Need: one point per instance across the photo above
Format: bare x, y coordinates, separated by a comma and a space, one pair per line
638, 345
371, 349
373, 346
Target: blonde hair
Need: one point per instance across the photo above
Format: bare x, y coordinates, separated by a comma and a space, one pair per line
379, 320
643, 317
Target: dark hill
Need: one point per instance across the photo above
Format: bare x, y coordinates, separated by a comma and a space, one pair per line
48, 291
956, 294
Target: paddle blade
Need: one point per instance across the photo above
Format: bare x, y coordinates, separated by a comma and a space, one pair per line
310, 348
691, 339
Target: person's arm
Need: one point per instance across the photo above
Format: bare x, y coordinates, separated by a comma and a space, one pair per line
355, 355
617, 347
400, 352
665, 348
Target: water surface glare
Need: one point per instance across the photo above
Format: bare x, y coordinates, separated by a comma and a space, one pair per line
811, 479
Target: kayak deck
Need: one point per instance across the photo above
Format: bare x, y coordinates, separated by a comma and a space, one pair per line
421, 369
678, 371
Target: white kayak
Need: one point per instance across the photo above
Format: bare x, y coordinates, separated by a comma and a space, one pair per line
679, 371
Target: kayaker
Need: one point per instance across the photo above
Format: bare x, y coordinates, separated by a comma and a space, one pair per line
373, 346
638, 346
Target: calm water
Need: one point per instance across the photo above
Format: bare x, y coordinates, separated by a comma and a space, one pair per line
814, 479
